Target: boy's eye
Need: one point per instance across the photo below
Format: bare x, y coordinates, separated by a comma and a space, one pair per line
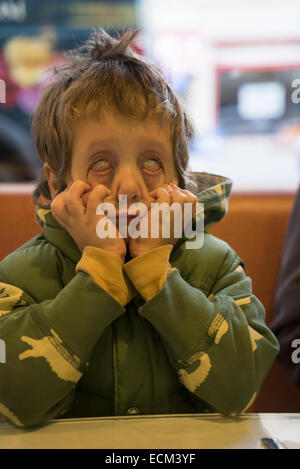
152, 164
101, 165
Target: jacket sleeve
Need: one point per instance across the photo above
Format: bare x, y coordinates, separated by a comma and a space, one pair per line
49, 344
219, 345
286, 320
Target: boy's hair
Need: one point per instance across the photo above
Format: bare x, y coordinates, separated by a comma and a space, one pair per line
105, 73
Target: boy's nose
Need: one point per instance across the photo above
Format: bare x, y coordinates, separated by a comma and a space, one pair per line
131, 188
131, 197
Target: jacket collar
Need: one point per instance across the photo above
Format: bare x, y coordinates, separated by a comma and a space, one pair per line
57, 235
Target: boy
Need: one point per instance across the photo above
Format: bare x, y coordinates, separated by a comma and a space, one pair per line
121, 325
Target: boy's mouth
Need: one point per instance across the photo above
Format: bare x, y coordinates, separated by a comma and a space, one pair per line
123, 217
125, 214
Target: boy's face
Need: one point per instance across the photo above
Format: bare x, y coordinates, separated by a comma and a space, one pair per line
130, 157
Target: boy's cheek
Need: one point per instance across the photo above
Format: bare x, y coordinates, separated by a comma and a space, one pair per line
85, 198
93, 179
69, 179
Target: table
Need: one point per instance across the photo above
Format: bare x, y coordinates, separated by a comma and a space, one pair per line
186, 431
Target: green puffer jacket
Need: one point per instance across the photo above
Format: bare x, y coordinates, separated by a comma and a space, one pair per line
199, 345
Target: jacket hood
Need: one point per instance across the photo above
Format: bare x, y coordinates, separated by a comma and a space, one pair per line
212, 190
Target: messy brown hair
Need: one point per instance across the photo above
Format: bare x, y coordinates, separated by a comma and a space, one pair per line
104, 73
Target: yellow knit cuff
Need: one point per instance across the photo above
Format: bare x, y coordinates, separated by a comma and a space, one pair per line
106, 270
149, 271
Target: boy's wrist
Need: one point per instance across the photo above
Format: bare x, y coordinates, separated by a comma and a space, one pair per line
114, 253
140, 251
106, 269
149, 272
121, 256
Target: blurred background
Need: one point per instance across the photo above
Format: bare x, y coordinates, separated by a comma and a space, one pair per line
234, 63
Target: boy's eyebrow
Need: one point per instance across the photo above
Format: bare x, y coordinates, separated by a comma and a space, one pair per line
154, 144
111, 141
94, 145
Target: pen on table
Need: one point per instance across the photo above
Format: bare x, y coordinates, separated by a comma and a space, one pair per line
272, 443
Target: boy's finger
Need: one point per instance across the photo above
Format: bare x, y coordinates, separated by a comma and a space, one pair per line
73, 197
191, 198
168, 187
176, 189
58, 203
63, 221
161, 195
189, 194
69, 185
178, 195
59, 209
96, 197
85, 198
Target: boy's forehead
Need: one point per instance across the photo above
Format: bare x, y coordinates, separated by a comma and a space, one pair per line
153, 129
109, 118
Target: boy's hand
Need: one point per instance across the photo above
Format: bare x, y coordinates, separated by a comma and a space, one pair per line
169, 194
75, 210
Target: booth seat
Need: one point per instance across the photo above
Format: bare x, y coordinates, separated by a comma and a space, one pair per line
255, 227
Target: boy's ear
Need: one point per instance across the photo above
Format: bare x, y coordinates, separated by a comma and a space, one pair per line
51, 179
